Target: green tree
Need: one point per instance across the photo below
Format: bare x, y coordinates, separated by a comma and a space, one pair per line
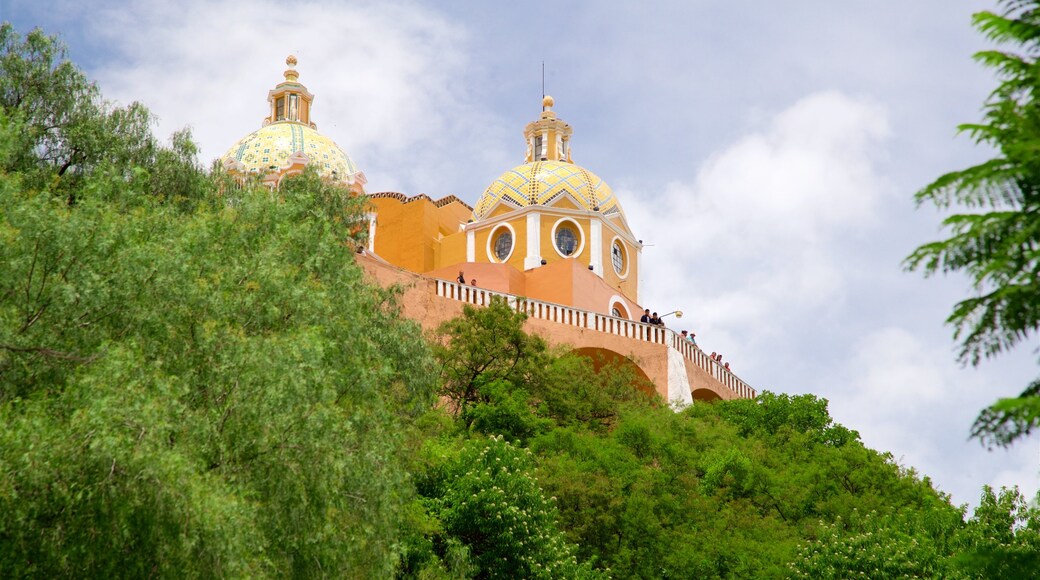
502, 380
488, 500
875, 546
485, 346
1002, 539
996, 240
209, 390
69, 131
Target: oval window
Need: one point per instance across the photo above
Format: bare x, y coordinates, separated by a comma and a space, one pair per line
566, 240
503, 245
617, 257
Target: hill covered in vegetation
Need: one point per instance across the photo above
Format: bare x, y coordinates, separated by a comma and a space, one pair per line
196, 380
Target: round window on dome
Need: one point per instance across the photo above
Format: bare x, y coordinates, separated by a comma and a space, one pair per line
617, 257
566, 240
503, 244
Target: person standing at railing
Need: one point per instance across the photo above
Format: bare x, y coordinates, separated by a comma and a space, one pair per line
645, 318
656, 320
472, 282
462, 278
692, 338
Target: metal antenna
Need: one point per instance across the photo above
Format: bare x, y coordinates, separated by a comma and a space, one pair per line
543, 79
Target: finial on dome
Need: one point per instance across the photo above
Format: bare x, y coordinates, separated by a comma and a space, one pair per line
547, 103
291, 74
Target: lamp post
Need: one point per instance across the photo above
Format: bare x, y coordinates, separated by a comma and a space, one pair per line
677, 313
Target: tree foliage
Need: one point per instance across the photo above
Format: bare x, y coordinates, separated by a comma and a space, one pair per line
69, 131
488, 500
208, 392
719, 490
996, 240
1000, 540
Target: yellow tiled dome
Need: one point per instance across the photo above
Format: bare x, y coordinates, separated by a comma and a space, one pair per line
272, 145
541, 182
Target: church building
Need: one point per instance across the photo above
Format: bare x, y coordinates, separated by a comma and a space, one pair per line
548, 230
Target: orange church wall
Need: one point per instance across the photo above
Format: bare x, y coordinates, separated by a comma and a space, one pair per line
497, 277
566, 282
627, 285
570, 282
419, 301
451, 215
451, 250
424, 238
403, 233
566, 204
409, 234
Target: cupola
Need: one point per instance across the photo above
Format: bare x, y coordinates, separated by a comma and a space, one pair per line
288, 141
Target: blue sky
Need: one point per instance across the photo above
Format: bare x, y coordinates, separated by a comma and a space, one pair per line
766, 152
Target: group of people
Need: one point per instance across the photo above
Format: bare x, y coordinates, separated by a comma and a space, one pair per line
717, 357
654, 319
648, 318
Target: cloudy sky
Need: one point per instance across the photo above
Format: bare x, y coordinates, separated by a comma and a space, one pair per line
767, 153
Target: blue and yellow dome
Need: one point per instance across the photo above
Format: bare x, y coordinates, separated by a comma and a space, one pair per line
541, 182
549, 173
269, 148
288, 141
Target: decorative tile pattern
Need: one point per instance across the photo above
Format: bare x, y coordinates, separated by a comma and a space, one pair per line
275, 143
541, 182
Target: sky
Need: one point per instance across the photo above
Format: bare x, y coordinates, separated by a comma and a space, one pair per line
766, 153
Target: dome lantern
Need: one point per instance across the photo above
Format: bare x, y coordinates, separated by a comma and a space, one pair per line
548, 138
290, 100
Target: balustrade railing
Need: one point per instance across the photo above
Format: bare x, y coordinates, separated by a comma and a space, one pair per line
600, 323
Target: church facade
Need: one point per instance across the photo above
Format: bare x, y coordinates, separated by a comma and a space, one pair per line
547, 230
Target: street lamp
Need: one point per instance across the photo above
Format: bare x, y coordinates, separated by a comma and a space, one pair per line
677, 313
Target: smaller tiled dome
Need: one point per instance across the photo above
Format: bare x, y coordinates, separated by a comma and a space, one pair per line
288, 141
269, 148
541, 182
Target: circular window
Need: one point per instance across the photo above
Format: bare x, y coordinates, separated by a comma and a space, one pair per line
617, 257
500, 243
566, 240
503, 245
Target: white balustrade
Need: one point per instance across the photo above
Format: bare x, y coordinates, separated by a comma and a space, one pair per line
601, 323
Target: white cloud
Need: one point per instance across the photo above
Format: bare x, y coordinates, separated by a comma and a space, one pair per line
910, 398
385, 76
746, 245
